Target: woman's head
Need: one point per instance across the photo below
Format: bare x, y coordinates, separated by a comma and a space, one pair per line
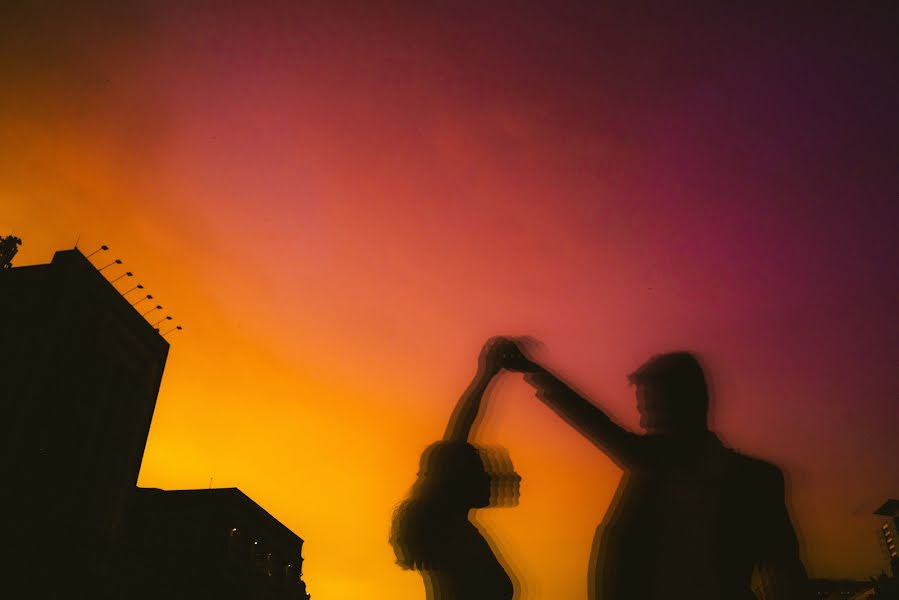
453, 478
453, 474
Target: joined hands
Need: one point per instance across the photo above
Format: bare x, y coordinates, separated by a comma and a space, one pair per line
507, 353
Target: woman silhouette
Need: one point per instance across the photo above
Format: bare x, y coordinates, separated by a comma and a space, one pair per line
431, 530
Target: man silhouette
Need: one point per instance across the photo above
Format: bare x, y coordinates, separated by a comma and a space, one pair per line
691, 518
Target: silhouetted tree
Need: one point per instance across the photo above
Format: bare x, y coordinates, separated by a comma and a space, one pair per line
9, 245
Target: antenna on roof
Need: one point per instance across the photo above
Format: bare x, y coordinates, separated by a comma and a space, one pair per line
117, 261
147, 297
103, 248
137, 287
176, 328
157, 307
125, 274
165, 318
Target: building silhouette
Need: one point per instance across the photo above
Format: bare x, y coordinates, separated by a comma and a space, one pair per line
840, 589
889, 532
214, 543
79, 377
79, 383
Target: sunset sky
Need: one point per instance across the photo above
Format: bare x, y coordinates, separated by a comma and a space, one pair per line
340, 202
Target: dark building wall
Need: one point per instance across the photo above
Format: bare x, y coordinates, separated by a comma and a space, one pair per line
825, 589
889, 533
889, 539
214, 543
79, 376
79, 383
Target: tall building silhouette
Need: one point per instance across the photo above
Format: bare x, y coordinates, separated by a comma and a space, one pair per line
79, 375
79, 380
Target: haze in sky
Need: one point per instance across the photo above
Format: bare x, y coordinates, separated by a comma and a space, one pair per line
340, 204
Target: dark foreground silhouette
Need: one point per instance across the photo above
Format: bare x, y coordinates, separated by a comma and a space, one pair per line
691, 518
431, 530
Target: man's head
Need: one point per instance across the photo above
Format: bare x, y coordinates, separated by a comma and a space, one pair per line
672, 394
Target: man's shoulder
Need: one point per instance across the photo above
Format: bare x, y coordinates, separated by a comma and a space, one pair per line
750, 467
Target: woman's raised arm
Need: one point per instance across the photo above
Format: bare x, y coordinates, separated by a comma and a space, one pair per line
491, 361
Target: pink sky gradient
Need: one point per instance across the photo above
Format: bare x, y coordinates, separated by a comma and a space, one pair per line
342, 205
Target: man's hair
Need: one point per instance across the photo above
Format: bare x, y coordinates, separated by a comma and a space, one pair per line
680, 375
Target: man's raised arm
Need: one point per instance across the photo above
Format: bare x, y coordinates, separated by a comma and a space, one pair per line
621, 445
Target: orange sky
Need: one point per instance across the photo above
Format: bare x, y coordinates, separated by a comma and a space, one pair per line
341, 206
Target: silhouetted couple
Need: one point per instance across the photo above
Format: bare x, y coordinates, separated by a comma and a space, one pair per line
691, 518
